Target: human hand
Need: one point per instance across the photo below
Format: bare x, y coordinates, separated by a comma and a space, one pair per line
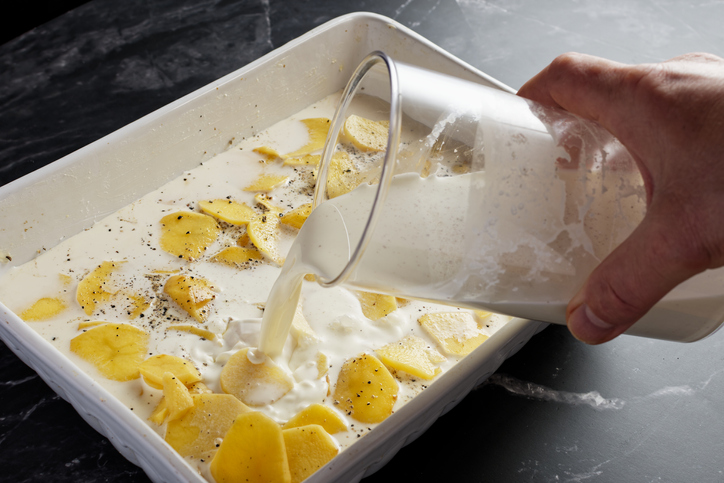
670, 116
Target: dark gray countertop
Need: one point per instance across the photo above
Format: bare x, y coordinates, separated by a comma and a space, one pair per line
559, 411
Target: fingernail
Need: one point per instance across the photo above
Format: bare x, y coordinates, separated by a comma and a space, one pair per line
588, 327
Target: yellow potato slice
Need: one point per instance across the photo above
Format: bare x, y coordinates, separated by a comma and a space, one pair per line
238, 257
318, 414
187, 234
116, 350
322, 364
375, 306
401, 302
317, 128
296, 217
137, 304
365, 134
192, 294
365, 389
177, 397
456, 332
252, 451
301, 330
229, 211
199, 388
306, 160
89, 324
197, 331
160, 413
461, 168
263, 232
482, 314
195, 433
254, 384
165, 272
413, 356
243, 240
308, 449
153, 369
269, 154
43, 309
267, 182
343, 176
94, 287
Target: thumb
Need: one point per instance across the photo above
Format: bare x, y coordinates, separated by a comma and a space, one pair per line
627, 283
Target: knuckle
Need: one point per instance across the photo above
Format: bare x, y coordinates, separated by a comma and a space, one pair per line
618, 299
570, 64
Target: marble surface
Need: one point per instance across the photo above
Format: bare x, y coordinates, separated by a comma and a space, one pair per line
558, 411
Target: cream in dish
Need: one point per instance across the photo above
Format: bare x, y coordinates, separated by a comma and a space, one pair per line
128, 274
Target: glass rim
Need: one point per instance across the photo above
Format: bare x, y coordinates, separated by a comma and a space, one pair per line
330, 145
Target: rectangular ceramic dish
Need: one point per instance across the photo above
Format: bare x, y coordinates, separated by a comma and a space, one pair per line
69, 195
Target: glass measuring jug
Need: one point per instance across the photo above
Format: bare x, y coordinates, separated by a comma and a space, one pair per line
435, 188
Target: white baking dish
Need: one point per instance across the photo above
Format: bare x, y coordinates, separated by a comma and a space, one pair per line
67, 196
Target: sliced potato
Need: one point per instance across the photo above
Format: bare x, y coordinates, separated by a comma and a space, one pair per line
196, 432
153, 369
265, 200
43, 309
482, 314
269, 154
136, 304
308, 449
343, 176
95, 287
243, 240
413, 356
160, 413
365, 134
197, 331
229, 211
253, 451
238, 257
187, 234
456, 332
401, 302
165, 272
296, 217
301, 330
306, 160
177, 397
263, 232
199, 388
375, 306
317, 129
254, 384
322, 364
267, 182
365, 389
116, 350
318, 414
192, 294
